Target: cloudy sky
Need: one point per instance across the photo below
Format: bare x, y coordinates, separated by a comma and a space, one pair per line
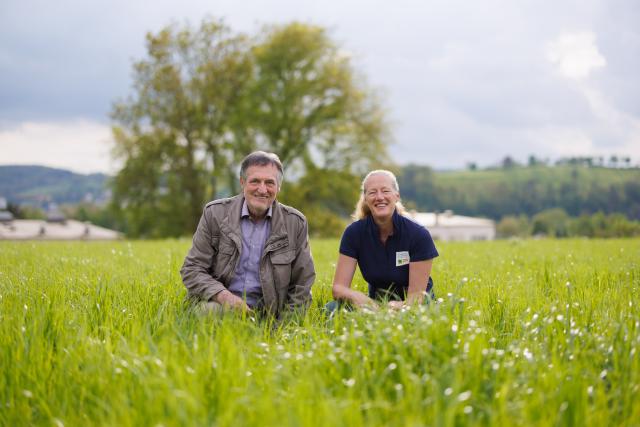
463, 81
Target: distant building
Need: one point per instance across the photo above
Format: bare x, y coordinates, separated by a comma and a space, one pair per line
5, 215
35, 229
449, 227
55, 227
54, 214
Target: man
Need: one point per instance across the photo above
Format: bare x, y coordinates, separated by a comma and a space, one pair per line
251, 252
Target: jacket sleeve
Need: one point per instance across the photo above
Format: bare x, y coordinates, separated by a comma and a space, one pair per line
199, 264
303, 272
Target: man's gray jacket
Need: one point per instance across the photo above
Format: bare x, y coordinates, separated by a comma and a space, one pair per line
286, 266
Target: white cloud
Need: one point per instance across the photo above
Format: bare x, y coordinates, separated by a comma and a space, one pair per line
622, 128
461, 81
561, 141
79, 145
610, 130
575, 54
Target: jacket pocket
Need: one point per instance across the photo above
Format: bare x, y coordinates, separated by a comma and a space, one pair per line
225, 256
281, 262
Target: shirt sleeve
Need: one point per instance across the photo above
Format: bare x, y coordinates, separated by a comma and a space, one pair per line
422, 247
349, 244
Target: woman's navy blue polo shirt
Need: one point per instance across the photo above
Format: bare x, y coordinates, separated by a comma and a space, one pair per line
385, 267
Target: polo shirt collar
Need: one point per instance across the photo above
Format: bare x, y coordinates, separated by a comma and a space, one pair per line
397, 224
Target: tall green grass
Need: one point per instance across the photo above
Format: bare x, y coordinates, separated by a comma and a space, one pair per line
523, 333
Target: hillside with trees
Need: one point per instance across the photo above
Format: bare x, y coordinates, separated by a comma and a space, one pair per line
523, 190
38, 185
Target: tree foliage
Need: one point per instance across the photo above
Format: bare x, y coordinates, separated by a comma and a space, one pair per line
496, 193
556, 223
205, 98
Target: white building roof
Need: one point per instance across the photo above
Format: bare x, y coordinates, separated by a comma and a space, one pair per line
28, 229
448, 219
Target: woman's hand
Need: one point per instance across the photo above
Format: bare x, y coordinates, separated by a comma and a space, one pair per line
362, 301
396, 305
341, 290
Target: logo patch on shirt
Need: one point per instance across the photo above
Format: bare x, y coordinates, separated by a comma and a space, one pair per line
402, 258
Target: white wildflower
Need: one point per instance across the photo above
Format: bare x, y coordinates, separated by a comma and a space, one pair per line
350, 382
465, 395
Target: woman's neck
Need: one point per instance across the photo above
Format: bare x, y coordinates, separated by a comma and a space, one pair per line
385, 227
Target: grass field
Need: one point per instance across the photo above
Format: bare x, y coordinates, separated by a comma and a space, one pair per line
525, 333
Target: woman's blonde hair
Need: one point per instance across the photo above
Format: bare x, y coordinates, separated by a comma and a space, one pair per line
362, 210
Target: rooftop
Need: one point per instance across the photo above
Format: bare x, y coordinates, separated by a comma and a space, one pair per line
29, 229
448, 219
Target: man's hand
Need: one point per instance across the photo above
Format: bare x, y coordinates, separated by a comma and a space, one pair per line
227, 299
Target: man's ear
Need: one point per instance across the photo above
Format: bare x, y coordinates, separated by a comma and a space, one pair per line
241, 182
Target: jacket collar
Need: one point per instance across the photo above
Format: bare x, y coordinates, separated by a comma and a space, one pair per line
234, 216
245, 210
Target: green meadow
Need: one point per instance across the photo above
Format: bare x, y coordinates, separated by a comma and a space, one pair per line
540, 332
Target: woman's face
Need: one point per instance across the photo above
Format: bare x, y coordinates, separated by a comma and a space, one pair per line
380, 196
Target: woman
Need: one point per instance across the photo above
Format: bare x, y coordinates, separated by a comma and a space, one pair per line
395, 254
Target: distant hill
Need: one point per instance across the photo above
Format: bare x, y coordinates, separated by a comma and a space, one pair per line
491, 193
527, 190
37, 185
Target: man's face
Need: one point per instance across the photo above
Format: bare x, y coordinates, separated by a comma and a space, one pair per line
260, 188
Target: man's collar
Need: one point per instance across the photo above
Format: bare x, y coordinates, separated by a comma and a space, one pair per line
245, 210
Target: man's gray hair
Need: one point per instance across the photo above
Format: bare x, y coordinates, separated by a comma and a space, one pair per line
261, 158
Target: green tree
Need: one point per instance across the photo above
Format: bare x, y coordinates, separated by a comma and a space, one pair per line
174, 132
417, 184
328, 198
310, 105
513, 226
583, 226
551, 222
311, 108
205, 98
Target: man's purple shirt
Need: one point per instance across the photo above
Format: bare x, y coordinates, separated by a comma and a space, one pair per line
246, 280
